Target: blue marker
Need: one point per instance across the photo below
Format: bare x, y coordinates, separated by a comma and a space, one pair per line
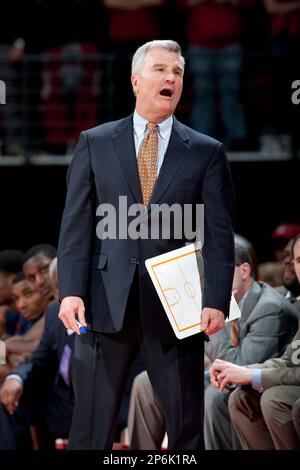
82, 329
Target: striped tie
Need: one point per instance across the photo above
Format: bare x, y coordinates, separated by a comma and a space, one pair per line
147, 161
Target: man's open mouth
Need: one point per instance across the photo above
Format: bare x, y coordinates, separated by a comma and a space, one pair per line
166, 92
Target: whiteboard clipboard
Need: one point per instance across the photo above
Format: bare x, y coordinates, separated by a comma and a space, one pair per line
177, 277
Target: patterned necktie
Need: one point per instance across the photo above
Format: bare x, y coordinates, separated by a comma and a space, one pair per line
234, 333
147, 161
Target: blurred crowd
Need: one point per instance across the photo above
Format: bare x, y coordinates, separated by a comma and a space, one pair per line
66, 66
252, 367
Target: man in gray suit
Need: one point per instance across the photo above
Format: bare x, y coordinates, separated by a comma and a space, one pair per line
267, 324
270, 420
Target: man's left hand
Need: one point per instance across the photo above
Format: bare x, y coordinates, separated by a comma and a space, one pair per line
223, 373
212, 320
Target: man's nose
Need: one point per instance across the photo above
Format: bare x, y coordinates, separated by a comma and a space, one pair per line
170, 77
22, 305
40, 280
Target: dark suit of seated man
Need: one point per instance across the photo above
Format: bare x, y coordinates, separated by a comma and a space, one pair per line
37, 392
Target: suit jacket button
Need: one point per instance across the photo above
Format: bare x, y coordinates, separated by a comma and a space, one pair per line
134, 260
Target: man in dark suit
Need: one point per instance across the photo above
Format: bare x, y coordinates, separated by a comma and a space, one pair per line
38, 391
103, 281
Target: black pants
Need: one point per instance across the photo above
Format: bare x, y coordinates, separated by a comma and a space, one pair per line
102, 364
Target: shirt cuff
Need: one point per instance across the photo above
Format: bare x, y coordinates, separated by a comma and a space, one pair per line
14, 376
256, 380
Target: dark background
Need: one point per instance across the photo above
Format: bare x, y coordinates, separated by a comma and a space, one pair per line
32, 200
32, 197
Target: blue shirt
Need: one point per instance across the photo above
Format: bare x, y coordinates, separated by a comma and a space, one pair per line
256, 380
164, 134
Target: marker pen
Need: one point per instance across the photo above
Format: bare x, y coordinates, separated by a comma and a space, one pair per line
82, 329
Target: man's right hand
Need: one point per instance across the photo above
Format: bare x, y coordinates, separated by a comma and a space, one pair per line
70, 308
10, 394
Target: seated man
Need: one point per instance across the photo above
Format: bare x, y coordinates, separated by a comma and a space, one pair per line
31, 305
36, 268
267, 324
10, 264
36, 392
267, 415
39, 391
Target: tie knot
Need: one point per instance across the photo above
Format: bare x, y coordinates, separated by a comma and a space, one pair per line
151, 126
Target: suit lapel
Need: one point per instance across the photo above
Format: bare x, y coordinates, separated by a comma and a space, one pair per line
125, 149
176, 153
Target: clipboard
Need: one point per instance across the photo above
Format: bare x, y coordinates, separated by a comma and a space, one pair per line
178, 278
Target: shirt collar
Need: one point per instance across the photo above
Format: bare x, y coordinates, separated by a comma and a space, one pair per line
242, 301
289, 295
139, 125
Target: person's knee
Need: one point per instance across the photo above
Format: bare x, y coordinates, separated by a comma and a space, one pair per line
235, 400
239, 401
214, 400
269, 402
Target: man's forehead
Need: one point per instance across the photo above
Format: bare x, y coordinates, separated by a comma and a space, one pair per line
161, 56
37, 260
297, 249
21, 286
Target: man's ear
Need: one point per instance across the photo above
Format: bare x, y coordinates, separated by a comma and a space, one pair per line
245, 270
134, 82
11, 277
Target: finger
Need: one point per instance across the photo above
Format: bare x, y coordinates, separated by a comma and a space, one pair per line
81, 317
224, 383
73, 325
68, 319
64, 317
215, 370
10, 408
214, 381
212, 329
204, 321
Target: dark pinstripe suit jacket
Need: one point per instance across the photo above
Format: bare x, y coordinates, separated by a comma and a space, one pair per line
195, 170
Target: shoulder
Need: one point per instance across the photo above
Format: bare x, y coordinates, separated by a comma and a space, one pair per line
271, 300
108, 129
195, 137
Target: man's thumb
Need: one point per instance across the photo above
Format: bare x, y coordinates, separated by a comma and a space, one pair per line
204, 322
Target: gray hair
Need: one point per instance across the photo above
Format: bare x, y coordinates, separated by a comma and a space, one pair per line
141, 52
53, 271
